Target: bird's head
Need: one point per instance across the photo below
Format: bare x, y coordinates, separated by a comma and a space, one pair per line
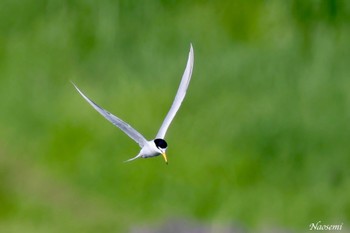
161, 146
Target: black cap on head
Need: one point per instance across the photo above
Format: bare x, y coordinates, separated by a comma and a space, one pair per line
160, 143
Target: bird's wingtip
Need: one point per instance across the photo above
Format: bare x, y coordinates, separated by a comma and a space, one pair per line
191, 53
75, 86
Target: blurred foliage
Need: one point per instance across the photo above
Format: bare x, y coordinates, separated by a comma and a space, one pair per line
261, 139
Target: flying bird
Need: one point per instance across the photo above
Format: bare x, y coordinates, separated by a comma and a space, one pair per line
157, 146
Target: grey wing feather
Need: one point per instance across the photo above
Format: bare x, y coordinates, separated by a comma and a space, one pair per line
180, 95
126, 128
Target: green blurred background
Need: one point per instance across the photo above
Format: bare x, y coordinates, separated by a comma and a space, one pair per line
261, 140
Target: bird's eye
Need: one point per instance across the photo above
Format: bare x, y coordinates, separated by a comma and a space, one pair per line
160, 143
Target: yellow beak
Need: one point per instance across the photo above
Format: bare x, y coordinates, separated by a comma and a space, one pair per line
165, 158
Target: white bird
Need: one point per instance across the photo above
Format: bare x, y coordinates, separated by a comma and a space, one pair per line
157, 146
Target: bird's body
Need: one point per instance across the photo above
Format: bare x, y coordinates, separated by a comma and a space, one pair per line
150, 149
157, 146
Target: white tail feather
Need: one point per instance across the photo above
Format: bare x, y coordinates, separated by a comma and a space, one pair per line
136, 157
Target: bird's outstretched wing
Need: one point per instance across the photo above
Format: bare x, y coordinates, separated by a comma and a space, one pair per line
180, 95
126, 128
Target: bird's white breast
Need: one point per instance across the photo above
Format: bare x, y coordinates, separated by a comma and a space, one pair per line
149, 150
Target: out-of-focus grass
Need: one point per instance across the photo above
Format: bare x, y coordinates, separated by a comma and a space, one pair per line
261, 138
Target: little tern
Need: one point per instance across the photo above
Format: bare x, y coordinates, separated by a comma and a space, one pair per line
158, 145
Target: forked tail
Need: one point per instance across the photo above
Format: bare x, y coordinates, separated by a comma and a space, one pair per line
136, 157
